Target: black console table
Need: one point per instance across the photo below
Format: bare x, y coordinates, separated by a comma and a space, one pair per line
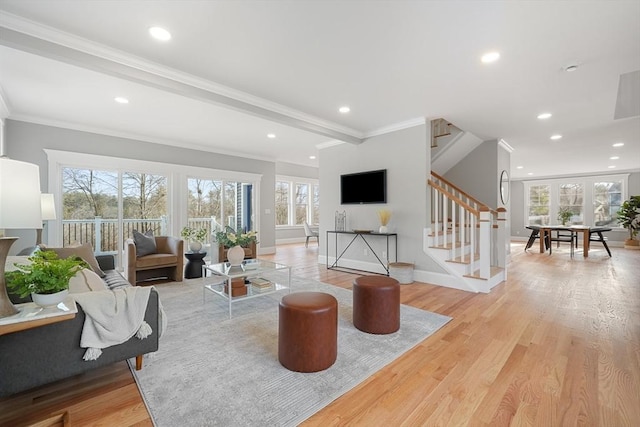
363, 235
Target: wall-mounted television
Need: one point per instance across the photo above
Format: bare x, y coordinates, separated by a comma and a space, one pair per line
363, 187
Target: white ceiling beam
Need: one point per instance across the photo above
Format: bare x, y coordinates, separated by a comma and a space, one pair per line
28, 43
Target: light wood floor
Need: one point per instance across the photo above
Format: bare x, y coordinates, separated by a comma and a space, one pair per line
557, 344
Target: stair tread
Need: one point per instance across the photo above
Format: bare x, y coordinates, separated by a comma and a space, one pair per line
447, 246
467, 260
492, 273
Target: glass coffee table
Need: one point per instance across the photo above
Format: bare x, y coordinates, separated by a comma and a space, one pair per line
251, 270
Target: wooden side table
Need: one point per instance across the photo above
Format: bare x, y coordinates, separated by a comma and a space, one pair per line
31, 315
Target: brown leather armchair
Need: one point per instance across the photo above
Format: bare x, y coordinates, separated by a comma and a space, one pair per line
167, 262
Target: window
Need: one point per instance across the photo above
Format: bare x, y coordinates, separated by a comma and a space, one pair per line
90, 200
593, 200
571, 196
538, 205
103, 198
282, 203
607, 198
315, 205
302, 203
212, 208
297, 201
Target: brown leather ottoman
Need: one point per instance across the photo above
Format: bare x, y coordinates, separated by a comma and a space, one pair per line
376, 304
308, 331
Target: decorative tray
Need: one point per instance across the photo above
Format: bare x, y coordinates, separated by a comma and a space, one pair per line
362, 231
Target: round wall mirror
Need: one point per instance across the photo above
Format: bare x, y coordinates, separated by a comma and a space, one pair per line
504, 187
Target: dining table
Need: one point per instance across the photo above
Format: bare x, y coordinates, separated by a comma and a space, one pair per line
546, 230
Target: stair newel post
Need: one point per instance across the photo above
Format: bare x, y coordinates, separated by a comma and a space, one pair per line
436, 216
454, 230
445, 217
485, 242
462, 232
501, 239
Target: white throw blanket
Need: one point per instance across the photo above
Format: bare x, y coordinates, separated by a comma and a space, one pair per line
112, 317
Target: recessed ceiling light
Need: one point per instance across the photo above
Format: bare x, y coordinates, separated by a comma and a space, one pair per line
570, 68
612, 166
121, 100
618, 144
312, 157
556, 137
344, 109
530, 173
159, 33
490, 57
519, 167
614, 158
271, 135
544, 116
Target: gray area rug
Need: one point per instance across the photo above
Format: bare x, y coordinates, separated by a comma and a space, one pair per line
214, 371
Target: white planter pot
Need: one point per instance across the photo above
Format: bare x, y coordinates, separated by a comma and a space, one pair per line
383, 229
49, 300
235, 255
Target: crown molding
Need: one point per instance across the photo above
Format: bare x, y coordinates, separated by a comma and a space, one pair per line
133, 136
504, 144
396, 127
33, 37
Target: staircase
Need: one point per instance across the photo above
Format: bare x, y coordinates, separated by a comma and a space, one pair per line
467, 238
451, 148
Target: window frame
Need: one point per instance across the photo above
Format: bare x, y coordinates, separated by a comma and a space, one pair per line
294, 181
177, 178
587, 182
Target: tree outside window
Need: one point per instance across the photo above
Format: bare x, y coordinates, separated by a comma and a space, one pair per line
607, 198
302, 202
282, 203
539, 205
315, 213
571, 196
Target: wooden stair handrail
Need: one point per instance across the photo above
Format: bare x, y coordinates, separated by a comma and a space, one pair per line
493, 212
453, 197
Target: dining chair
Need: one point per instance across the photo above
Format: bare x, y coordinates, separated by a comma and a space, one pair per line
535, 234
308, 232
595, 235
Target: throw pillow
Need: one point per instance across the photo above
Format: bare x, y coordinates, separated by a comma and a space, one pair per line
145, 243
86, 280
84, 251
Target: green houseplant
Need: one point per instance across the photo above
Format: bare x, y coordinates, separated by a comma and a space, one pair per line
196, 237
564, 215
235, 244
629, 218
46, 274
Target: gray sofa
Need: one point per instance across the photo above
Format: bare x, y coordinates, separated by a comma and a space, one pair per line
49, 353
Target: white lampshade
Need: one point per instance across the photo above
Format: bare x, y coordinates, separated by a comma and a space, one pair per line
48, 207
20, 202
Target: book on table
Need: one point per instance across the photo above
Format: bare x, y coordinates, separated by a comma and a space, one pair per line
260, 284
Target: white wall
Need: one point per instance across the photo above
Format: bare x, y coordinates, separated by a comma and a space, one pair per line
405, 154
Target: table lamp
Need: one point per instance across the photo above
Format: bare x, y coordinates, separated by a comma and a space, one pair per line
48, 213
20, 208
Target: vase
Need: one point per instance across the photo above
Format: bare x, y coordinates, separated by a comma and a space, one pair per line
235, 255
49, 300
195, 246
382, 229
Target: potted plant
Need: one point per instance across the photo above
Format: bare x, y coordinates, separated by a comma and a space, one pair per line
45, 278
564, 215
196, 237
235, 242
384, 215
629, 218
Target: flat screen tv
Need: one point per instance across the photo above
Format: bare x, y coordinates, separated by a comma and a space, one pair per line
363, 187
